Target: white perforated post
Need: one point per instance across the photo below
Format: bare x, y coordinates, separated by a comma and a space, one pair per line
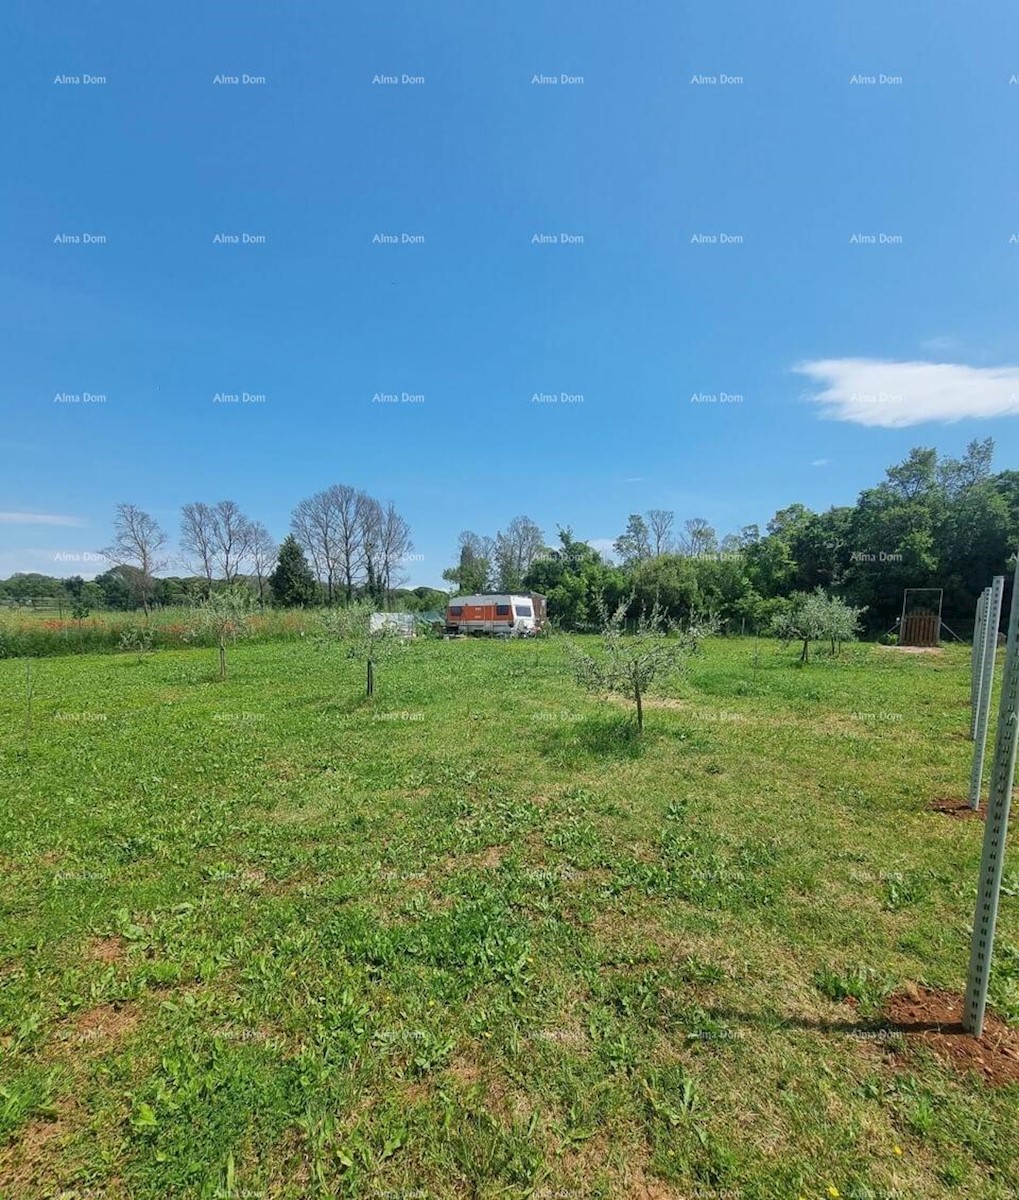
974, 675
985, 685
992, 860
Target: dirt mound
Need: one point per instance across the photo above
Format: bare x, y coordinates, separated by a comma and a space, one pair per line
933, 1019
953, 806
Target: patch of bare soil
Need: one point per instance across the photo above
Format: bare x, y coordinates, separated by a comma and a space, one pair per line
501, 1100
106, 1025
106, 949
953, 806
641, 1186
465, 1071
933, 1019
24, 1164
489, 859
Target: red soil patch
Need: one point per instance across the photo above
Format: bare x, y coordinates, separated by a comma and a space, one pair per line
933, 1018
106, 1024
27, 1164
500, 1099
952, 806
106, 949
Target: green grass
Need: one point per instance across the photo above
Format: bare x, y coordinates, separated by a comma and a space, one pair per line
262, 938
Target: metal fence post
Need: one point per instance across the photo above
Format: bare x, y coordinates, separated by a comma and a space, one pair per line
974, 677
992, 860
985, 685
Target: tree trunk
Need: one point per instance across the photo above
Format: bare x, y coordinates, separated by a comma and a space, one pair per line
805, 656
371, 678
640, 710
222, 661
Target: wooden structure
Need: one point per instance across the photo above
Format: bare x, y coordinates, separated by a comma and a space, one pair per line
920, 623
920, 629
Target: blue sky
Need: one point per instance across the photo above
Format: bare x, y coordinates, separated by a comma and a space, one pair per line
825, 340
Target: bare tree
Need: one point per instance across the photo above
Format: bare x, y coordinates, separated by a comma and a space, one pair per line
314, 524
347, 503
305, 526
264, 553
700, 537
370, 522
197, 524
329, 527
231, 539
516, 548
137, 543
396, 544
217, 538
659, 524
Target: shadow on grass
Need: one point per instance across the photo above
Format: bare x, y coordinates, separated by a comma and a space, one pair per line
863, 1027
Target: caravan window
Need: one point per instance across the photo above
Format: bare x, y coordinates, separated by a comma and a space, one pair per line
502, 610
524, 610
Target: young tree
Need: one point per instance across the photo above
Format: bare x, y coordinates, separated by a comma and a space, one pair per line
352, 627
842, 623
137, 543
226, 614
292, 582
87, 597
631, 664
816, 616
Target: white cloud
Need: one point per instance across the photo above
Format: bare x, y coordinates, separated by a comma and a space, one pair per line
820, 462
893, 395
13, 518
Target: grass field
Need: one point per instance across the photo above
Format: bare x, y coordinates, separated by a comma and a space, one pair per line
39, 633
263, 938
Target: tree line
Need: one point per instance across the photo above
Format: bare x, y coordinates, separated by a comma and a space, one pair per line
933, 521
343, 543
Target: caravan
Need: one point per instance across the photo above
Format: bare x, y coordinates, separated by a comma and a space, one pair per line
496, 615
